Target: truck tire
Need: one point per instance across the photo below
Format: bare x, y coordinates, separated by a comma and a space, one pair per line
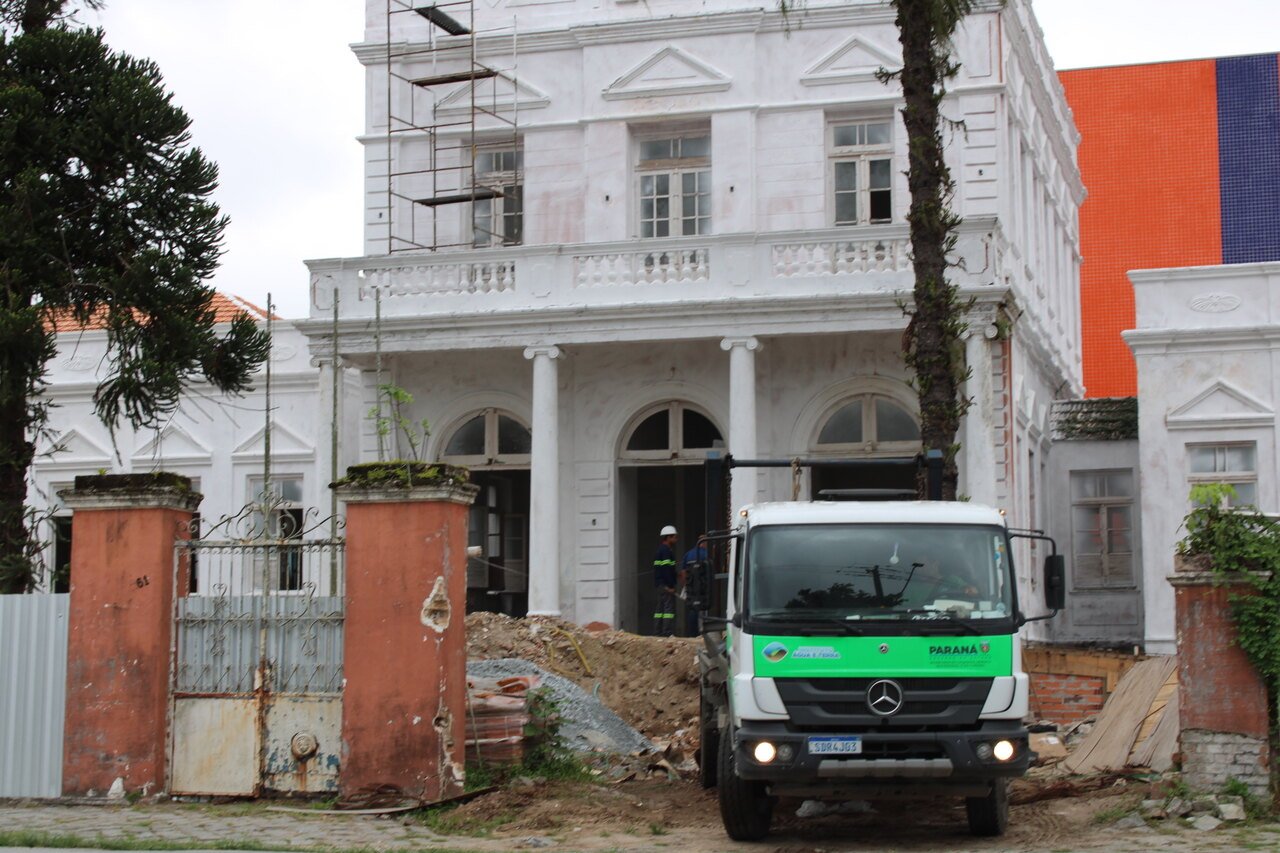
708, 744
745, 807
989, 815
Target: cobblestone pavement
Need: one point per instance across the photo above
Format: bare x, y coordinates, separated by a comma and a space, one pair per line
252, 826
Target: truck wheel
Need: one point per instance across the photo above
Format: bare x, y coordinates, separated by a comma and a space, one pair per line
709, 744
745, 808
989, 815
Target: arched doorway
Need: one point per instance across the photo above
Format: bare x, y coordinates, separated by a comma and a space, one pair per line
660, 482
865, 426
496, 446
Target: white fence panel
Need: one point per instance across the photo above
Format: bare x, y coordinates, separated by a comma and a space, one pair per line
33, 693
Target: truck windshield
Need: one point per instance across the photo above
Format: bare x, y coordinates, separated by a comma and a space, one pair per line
896, 572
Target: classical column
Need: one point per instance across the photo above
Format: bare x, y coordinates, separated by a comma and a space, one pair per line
544, 485
742, 415
977, 443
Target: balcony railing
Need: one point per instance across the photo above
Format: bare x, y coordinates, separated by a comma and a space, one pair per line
871, 259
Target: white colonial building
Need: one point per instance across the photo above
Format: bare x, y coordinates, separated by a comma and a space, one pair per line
219, 441
605, 238
1207, 344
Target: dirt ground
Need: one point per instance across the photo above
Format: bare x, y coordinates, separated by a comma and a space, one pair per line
651, 682
655, 814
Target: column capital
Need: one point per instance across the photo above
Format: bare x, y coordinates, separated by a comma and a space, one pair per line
747, 343
549, 350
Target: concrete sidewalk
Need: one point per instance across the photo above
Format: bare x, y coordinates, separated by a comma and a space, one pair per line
249, 824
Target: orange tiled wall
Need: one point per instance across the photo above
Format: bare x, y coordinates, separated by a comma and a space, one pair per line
1149, 159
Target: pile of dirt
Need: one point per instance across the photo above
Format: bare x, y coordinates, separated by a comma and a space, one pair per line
651, 682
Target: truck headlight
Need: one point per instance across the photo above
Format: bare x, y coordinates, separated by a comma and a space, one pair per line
765, 752
786, 752
983, 751
1003, 750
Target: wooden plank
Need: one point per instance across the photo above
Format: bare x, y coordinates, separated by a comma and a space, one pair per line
456, 77
1156, 711
1108, 746
1157, 751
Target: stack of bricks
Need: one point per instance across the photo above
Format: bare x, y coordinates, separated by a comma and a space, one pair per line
1072, 684
1066, 699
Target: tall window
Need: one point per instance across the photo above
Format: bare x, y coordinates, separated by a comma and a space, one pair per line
862, 171
284, 524
675, 185
499, 221
1102, 529
1233, 464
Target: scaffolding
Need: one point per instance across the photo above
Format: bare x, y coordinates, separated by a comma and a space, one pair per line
470, 158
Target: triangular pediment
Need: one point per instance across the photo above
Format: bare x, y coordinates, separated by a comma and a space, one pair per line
285, 444
854, 59
1220, 405
670, 71
72, 449
500, 94
173, 444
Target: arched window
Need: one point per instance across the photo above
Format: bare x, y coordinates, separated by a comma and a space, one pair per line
670, 431
490, 437
868, 422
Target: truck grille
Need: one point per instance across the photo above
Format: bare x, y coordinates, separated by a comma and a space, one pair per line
840, 704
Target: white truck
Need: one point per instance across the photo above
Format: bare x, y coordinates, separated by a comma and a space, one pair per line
867, 650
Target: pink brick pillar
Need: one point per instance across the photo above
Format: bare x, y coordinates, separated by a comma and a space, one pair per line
121, 623
1222, 703
404, 702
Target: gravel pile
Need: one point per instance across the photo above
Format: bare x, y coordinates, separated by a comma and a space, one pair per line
588, 725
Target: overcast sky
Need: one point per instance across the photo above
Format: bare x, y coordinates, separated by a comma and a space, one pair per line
276, 99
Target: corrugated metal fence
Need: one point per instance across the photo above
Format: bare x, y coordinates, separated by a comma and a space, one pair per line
33, 693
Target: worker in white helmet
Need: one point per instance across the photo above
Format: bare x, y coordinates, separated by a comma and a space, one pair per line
664, 582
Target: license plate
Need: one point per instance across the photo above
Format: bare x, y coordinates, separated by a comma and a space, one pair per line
848, 745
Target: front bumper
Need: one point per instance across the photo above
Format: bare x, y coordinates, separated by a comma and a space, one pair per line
910, 757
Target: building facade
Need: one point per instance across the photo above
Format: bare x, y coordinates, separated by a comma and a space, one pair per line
1207, 346
682, 231
1181, 161
219, 441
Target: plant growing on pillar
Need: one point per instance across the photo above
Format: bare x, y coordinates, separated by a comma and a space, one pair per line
394, 419
106, 220
1244, 544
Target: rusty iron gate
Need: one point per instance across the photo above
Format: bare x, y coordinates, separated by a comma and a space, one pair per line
257, 659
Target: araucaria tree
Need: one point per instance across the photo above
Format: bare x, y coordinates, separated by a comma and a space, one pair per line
105, 219
932, 344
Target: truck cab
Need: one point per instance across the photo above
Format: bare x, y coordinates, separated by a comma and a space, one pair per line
867, 650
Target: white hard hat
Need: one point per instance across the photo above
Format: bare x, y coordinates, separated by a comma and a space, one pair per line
668, 531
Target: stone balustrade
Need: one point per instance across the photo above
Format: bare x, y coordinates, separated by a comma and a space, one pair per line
872, 259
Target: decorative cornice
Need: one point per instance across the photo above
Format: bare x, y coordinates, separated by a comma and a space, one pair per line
462, 493
1172, 341
157, 498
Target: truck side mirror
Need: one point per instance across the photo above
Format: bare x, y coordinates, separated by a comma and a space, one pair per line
1055, 582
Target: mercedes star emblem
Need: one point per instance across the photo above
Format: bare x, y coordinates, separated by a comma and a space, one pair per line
884, 698
884, 648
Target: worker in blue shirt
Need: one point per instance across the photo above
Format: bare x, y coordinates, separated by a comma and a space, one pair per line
664, 582
695, 560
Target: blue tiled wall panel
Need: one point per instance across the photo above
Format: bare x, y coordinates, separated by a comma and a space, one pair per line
1249, 157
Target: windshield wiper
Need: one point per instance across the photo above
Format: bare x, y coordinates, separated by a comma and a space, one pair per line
946, 617
806, 619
